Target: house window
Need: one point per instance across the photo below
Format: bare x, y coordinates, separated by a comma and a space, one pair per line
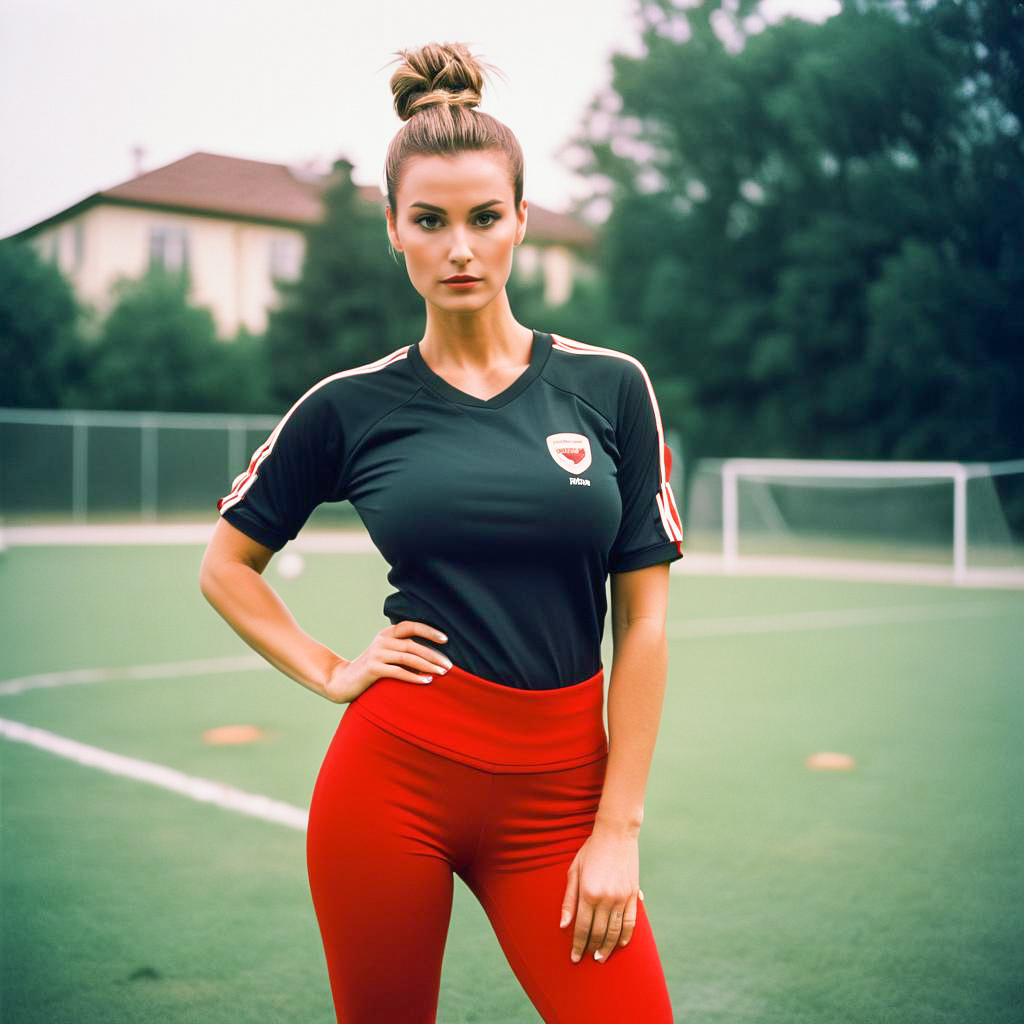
527, 262
168, 247
47, 247
79, 244
285, 258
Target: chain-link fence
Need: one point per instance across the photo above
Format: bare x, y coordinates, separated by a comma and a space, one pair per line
92, 467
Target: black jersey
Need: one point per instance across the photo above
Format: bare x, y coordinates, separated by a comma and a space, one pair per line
500, 518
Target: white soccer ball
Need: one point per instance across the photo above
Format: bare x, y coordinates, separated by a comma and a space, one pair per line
290, 565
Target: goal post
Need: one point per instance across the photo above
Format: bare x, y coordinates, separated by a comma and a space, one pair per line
894, 519
832, 469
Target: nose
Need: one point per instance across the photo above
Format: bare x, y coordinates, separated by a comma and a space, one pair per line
460, 252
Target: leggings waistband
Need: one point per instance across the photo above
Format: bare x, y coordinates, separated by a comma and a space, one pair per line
499, 728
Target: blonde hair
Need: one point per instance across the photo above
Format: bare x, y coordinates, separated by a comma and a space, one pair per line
434, 89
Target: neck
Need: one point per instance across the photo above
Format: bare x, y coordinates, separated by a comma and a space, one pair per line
476, 340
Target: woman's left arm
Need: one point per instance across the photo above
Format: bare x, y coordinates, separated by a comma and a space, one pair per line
603, 882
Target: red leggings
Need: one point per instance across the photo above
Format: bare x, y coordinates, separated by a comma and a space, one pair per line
496, 784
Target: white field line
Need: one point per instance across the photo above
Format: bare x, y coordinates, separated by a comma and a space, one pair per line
202, 790
706, 564
342, 539
162, 670
738, 625
263, 807
837, 618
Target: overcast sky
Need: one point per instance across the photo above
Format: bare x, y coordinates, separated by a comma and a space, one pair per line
290, 81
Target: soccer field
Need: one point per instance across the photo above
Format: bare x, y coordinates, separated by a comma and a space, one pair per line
778, 894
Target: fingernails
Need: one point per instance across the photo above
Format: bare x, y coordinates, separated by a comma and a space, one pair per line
426, 679
442, 638
574, 956
597, 954
564, 921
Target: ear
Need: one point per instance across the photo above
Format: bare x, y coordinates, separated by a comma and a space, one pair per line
392, 230
521, 218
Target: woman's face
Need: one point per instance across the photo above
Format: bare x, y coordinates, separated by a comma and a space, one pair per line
456, 217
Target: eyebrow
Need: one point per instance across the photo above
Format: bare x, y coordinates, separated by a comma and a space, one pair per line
440, 209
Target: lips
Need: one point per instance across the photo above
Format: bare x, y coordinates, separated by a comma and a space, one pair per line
459, 279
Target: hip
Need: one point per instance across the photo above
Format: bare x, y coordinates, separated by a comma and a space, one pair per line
491, 726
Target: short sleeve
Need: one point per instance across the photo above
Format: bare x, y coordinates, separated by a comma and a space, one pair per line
651, 530
298, 467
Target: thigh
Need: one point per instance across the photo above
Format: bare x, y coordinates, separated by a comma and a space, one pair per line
380, 876
520, 879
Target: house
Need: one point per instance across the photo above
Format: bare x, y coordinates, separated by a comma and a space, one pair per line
238, 226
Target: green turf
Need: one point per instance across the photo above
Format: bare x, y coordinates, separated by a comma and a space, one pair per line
891, 893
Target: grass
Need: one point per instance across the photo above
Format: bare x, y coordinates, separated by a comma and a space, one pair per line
891, 893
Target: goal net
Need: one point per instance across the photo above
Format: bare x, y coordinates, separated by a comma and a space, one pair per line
926, 520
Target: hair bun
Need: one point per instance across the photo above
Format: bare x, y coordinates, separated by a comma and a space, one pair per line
436, 74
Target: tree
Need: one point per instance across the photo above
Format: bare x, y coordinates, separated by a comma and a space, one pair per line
352, 303
155, 351
40, 344
818, 230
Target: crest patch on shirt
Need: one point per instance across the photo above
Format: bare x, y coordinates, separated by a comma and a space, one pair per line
570, 451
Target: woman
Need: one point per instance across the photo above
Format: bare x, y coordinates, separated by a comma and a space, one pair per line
504, 473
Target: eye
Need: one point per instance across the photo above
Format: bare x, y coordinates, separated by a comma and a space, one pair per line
490, 217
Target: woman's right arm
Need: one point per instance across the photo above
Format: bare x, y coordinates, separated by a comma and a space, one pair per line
230, 578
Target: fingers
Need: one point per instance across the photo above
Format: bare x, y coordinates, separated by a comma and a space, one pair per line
616, 929
607, 925
601, 927
420, 658
397, 650
389, 670
628, 922
392, 655
571, 893
572, 904
410, 627
581, 932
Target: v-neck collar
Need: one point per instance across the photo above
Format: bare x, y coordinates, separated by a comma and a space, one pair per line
539, 352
